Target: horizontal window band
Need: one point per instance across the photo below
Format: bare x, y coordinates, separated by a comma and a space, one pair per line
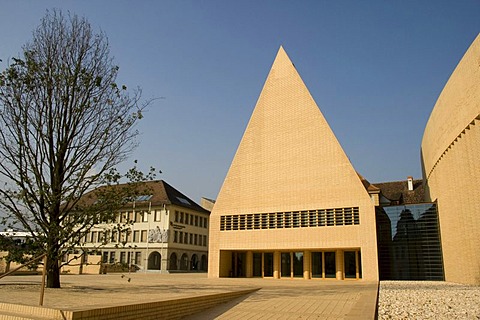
291, 219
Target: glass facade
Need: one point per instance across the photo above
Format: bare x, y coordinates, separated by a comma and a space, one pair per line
330, 265
297, 264
268, 264
317, 265
408, 239
286, 265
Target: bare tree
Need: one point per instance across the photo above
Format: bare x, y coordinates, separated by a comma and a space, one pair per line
64, 126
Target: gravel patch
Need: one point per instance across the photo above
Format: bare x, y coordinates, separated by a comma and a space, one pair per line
428, 300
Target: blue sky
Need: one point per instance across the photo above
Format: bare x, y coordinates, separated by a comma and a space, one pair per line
375, 69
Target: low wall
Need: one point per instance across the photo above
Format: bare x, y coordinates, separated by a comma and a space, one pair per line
5, 267
77, 266
167, 309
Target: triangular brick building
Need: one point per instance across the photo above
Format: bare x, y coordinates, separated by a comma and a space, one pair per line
291, 204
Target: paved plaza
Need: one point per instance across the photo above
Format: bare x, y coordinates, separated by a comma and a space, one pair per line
275, 299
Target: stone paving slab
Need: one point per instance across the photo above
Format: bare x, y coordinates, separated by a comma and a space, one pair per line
277, 299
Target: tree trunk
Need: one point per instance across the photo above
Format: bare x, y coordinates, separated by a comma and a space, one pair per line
53, 272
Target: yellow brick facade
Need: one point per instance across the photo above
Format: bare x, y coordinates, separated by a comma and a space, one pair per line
451, 163
289, 164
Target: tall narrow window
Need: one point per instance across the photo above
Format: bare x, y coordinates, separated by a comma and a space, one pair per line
297, 264
268, 264
317, 265
286, 265
330, 265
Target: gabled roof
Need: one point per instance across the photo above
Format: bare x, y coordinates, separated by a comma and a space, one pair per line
157, 193
368, 186
397, 191
163, 193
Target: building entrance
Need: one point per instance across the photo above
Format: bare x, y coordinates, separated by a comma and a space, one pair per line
334, 264
292, 264
263, 264
238, 263
154, 261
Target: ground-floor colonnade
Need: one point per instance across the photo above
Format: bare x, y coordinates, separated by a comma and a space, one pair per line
337, 264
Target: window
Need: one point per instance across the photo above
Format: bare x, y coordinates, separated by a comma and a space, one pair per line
330, 220
256, 221
186, 218
143, 236
295, 219
304, 219
191, 238
297, 264
196, 239
114, 237
144, 197
123, 236
205, 241
175, 236
112, 257
158, 215
317, 265
181, 237
339, 217
268, 264
185, 239
322, 216
271, 220
205, 223
235, 222
105, 257
138, 258
330, 265
181, 217
182, 200
122, 257
288, 219
312, 218
196, 221
176, 216
264, 221
286, 265
279, 219
136, 236
242, 222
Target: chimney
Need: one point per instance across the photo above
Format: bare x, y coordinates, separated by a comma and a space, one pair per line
410, 183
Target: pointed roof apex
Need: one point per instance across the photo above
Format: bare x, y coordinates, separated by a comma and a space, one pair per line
282, 65
288, 158
281, 51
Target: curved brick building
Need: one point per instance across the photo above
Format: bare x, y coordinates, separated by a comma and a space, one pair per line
451, 165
